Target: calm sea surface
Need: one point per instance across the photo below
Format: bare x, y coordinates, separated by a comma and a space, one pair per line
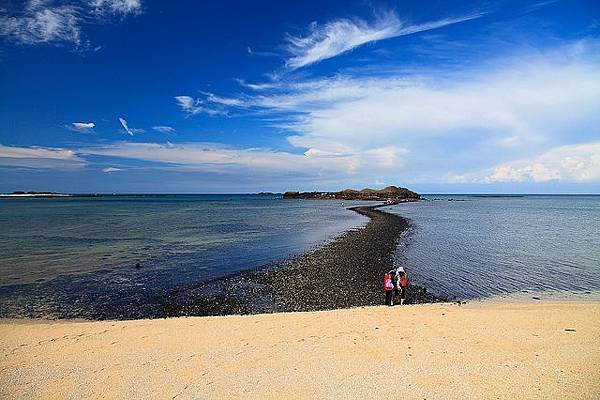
77, 256
470, 246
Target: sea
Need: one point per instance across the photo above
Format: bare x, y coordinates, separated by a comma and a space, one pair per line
478, 246
89, 256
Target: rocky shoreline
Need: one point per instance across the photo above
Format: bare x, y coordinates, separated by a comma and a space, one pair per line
346, 272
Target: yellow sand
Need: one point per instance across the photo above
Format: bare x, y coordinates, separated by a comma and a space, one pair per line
478, 351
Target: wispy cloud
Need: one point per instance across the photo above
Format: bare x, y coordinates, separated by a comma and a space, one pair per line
128, 130
40, 22
125, 126
342, 35
111, 169
261, 53
189, 104
163, 129
52, 22
81, 126
535, 6
123, 7
492, 113
192, 106
226, 101
211, 104
216, 158
40, 157
255, 86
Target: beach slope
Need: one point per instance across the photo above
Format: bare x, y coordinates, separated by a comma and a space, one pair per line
433, 351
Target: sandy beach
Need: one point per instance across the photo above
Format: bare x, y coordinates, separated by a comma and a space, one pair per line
433, 351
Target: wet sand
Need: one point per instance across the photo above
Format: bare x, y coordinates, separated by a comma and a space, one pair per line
433, 351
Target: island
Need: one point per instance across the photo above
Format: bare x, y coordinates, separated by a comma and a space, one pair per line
33, 194
388, 194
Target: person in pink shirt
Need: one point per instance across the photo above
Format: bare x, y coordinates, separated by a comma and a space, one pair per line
388, 288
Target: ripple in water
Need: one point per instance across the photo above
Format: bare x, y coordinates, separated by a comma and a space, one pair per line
75, 257
488, 246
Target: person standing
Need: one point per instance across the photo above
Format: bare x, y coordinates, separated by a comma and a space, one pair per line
388, 288
395, 274
403, 283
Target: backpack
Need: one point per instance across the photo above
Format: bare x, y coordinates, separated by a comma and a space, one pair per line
404, 281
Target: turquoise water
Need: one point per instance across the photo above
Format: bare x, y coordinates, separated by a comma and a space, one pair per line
475, 246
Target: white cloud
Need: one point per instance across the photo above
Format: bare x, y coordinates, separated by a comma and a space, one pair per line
193, 106
82, 126
130, 131
188, 104
342, 35
211, 157
255, 86
122, 7
36, 152
40, 157
451, 121
111, 169
193, 154
163, 129
226, 101
572, 163
125, 126
43, 23
47, 21
261, 53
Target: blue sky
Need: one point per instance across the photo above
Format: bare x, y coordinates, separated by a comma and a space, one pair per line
238, 96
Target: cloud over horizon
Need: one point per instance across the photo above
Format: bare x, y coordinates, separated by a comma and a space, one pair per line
572, 163
513, 108
40, 157
485, 96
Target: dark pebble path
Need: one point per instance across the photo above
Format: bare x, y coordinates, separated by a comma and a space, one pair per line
346, 272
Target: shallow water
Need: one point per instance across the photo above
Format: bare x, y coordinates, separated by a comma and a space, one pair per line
61, 255
483, 246
43, 238
75, 257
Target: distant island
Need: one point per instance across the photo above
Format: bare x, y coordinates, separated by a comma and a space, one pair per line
389, 194
33, 194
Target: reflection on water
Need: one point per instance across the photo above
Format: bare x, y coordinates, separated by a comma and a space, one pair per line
481, 246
